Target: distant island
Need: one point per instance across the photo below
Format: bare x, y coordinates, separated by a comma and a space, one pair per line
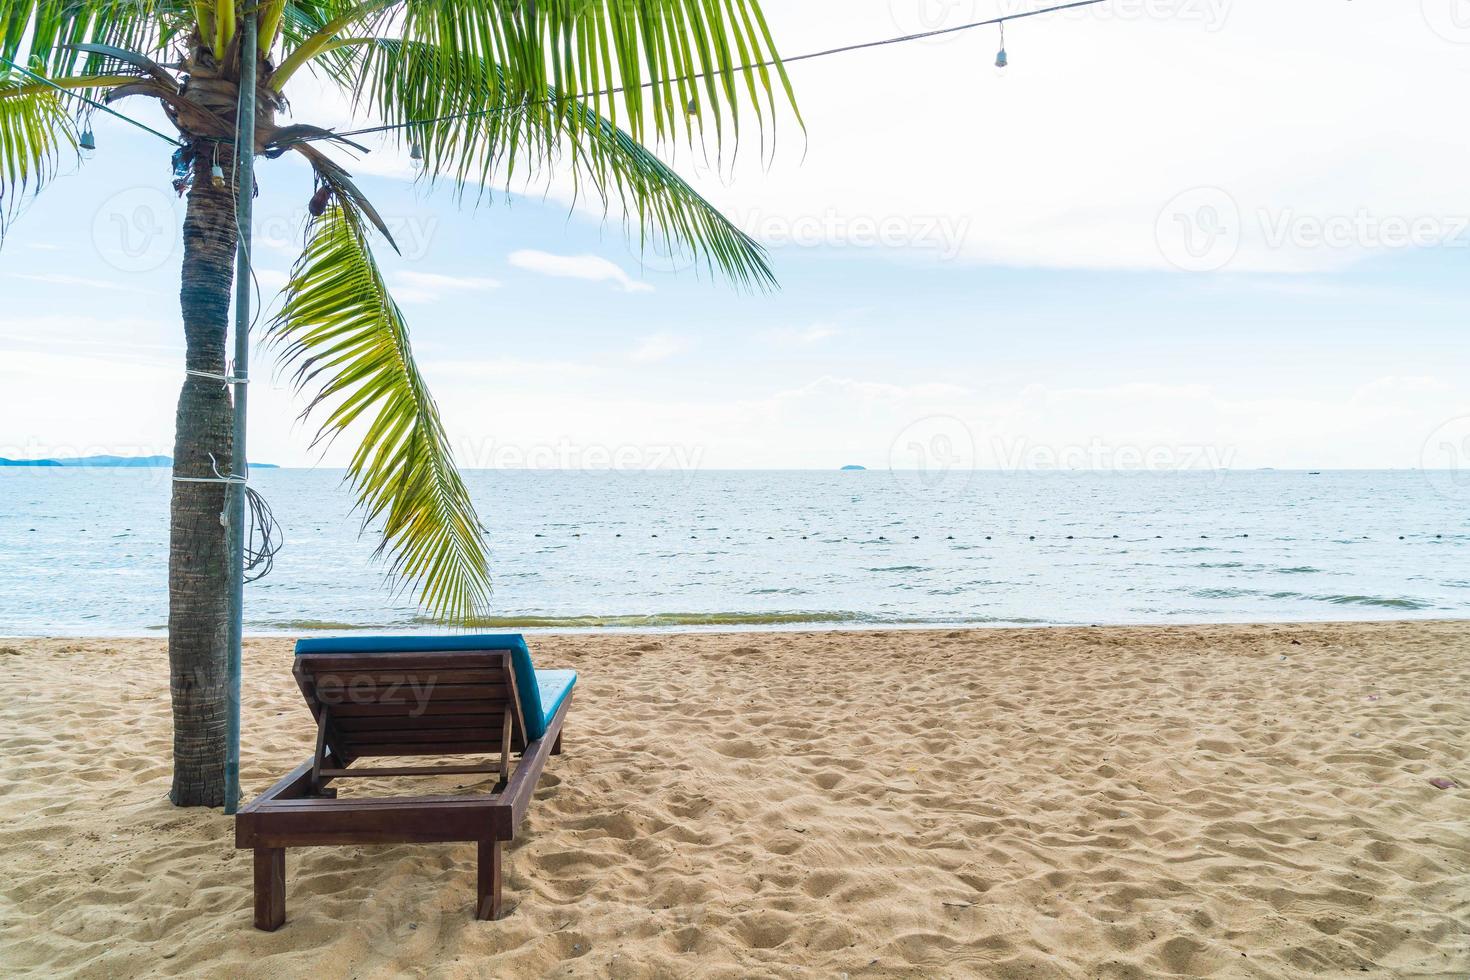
854, 466
156, 462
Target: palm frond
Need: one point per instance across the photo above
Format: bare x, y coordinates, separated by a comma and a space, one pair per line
683, 51
411, 82
35, 133
44, 30
661, 205
348, 345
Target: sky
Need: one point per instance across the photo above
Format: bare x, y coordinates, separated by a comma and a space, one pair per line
1170, 234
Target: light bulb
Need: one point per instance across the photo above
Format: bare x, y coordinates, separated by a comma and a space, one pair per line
416, 156
693, 107
87, 144
217, 177
1000, 59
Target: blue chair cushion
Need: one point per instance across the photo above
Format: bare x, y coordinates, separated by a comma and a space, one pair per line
541, 691
553, 686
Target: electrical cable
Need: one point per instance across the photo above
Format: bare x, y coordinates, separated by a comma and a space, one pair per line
92, 102
769, 63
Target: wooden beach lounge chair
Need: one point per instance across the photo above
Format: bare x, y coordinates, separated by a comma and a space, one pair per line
409, 696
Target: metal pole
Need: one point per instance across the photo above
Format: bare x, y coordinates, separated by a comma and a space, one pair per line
245, 189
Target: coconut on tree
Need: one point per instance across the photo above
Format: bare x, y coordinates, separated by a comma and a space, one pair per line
478, 89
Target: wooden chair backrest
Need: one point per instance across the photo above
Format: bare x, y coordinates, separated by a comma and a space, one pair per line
411, 704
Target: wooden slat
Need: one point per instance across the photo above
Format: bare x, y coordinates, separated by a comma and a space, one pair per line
426, 748
468, 660
382, 678
356, 740
430, 707
370, 771
426, 723
409, 695
359, 803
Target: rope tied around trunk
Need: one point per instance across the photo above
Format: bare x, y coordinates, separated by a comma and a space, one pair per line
263, 536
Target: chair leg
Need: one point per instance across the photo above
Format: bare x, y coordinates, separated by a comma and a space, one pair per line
270, 888
487, 904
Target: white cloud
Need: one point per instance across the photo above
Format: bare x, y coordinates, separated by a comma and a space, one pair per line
430, 287
434, 280
592, 268
658, 347
547, 373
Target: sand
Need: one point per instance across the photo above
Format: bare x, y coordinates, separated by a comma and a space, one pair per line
1214, 801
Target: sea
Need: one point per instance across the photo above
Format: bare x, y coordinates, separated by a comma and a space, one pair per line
85, 551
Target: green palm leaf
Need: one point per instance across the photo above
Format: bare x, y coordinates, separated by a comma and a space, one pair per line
410, 81
348, 344
35, 132
559, 50
43, 28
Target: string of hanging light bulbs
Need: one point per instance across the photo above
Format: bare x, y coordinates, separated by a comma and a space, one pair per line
1002, 60
416, 153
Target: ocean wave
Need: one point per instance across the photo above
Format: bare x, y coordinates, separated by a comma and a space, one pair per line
1379, 602
1223, 593
660, 621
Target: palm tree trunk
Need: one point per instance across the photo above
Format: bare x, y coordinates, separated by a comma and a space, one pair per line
198, 573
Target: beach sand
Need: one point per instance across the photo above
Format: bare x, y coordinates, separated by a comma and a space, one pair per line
1118, 802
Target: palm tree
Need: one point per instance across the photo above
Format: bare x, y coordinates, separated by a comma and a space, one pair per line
478, 89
